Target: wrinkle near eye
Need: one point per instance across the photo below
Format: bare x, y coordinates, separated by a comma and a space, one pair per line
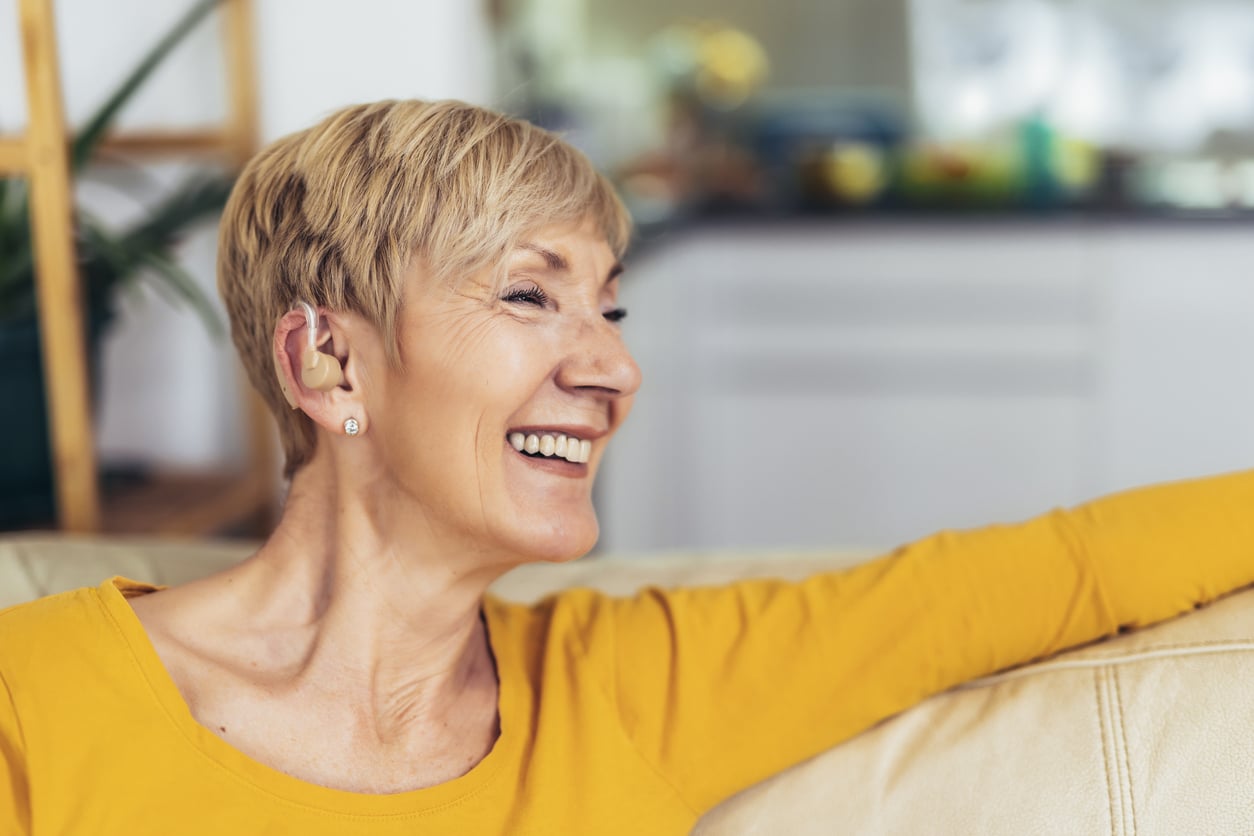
463, 320
467, 332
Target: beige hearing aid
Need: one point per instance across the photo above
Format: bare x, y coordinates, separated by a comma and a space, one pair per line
317, 370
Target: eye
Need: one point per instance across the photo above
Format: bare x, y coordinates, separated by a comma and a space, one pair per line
528, 295
615, 314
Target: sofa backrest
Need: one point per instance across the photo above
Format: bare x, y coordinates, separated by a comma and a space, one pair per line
36, 564
1151, 732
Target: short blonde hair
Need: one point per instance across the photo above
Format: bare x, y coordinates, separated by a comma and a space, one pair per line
337, 213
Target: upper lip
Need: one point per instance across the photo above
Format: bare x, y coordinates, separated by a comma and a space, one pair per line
579, 431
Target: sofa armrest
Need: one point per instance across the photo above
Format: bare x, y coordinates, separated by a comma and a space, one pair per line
1147, 732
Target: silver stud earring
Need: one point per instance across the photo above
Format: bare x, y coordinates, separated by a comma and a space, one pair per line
351, 427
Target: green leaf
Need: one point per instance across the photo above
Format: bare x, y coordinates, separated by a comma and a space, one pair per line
110, 261
102, 252
16, 258
198, 197
15, 241
89, 137
123, 175
184, 284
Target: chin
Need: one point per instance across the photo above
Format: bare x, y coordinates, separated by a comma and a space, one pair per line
559, 544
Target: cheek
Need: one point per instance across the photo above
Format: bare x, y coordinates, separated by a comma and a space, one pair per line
453, 351
459, 369
464, 378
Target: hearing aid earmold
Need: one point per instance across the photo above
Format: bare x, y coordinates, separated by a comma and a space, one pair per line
317, 370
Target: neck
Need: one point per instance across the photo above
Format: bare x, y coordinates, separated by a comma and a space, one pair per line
358, 592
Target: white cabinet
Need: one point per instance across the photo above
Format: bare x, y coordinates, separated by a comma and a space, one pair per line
1176, 393
865, 385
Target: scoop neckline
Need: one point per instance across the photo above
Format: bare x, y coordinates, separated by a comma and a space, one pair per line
114, 594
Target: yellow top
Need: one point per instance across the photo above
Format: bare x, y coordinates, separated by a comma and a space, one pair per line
617, 715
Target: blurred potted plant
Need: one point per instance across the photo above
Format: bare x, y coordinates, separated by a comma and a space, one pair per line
108, 261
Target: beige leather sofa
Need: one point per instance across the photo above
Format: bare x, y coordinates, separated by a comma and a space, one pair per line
1150, 733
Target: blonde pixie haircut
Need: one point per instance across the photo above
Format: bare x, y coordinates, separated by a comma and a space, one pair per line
338, 214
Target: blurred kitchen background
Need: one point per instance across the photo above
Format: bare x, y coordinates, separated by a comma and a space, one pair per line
902, 264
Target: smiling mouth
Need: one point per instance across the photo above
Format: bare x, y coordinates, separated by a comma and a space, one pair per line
552, 446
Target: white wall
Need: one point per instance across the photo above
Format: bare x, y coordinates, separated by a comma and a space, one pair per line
170, 392
317, 55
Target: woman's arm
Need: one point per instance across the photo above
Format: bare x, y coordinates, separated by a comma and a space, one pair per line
720, 688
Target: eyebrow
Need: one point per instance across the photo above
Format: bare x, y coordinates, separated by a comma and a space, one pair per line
556, 261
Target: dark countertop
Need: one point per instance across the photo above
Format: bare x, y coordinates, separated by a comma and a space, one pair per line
651, 236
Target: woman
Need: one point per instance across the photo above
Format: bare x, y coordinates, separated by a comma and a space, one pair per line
426, 296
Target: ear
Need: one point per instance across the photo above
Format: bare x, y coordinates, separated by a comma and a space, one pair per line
329, 408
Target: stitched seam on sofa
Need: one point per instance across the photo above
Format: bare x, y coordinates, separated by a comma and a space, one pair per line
1123, 734
1101, 728
221, 767
1199, 649
1117, 753
1100, 653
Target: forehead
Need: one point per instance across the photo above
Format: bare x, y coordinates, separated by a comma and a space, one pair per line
577, 253
574, 255
564, 247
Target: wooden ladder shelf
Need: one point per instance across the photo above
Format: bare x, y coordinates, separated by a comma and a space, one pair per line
183, 505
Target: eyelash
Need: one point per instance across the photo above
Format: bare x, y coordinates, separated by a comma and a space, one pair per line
536, 296
530, 295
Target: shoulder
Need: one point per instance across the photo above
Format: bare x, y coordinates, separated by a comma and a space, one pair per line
65, 610
56, 633
587, 622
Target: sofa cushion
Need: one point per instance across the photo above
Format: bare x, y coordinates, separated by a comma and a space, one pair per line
1151, 732
33, 565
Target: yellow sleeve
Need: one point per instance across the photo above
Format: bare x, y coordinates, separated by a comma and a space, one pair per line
14, 798
721, 687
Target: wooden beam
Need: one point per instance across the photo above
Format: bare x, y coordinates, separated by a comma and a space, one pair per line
12, 155
240, 57
58, 289
153, 143
14, 159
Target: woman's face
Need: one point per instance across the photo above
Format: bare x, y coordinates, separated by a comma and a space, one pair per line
491, 364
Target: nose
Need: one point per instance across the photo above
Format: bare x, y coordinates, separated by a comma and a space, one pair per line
599, 362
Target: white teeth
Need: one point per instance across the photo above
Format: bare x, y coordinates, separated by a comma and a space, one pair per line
556, 446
